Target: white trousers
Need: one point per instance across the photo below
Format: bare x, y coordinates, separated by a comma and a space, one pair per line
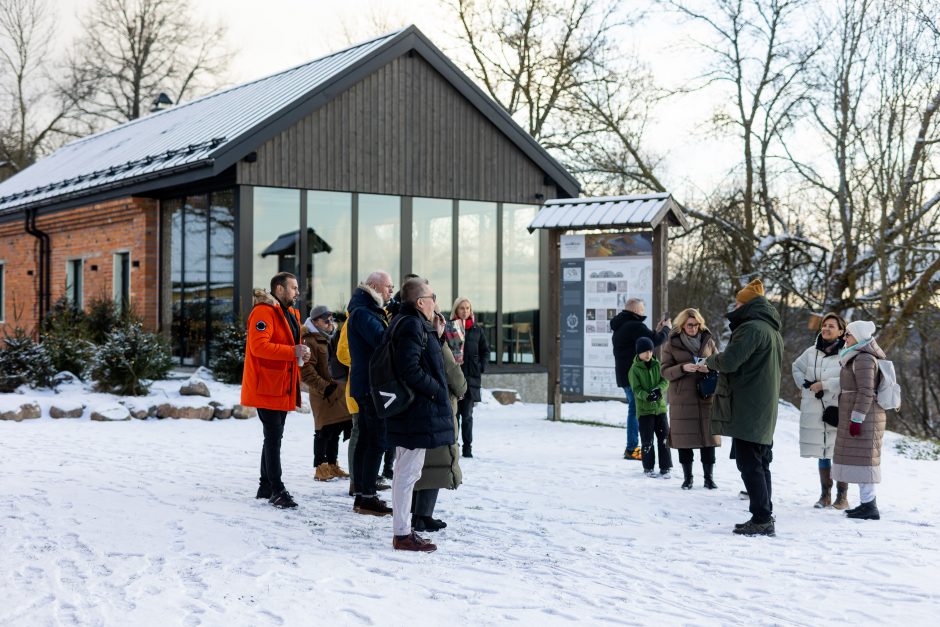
408, 465
866, 492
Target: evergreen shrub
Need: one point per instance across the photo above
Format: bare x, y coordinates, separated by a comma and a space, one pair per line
228, 359
23, 361
129, 360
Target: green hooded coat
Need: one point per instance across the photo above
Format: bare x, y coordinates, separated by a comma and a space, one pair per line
749, 369
643, 377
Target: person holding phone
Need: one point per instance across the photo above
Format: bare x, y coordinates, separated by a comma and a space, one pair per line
627, 327
476, 354
684, 354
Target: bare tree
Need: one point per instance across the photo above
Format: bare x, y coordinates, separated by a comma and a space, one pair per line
34, 118
133, 50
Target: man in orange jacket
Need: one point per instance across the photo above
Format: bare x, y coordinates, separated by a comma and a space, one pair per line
271, 380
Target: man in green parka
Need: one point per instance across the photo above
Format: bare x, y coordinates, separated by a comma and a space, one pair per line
746, 398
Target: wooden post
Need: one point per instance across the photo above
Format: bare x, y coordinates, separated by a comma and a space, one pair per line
554, 315
660, 273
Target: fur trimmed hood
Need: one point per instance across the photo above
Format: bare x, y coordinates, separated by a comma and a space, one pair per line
379, 301
261, 296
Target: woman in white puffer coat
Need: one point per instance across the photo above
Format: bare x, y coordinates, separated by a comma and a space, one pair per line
817, 372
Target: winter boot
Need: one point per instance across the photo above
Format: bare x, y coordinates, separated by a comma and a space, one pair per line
752, 528
865, 511
282, 500
372, 506
468, 451
687, 476
427, 523
842, 495
709, 482
323, 473
338, 471
825, 480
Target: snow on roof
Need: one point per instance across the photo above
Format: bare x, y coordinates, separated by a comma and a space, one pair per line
638, 210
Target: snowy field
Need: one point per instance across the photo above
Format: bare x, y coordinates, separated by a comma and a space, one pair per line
154, 523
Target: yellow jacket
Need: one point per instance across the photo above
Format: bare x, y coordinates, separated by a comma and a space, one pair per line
342, 354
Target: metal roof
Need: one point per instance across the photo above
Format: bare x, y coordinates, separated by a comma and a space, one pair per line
211, 133
607, 212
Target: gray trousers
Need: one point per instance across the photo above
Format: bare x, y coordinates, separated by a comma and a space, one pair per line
425, 500
353, 438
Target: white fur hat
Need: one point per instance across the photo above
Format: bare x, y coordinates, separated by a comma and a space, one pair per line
861, 330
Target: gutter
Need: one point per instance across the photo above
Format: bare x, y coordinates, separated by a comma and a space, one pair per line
45, 264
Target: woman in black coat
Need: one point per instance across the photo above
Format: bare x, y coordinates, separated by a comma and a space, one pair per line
476, 353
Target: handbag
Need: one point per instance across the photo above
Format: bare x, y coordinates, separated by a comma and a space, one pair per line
390, 394
707, 385
831, 416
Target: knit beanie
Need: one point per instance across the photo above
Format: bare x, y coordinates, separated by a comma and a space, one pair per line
751, 291
861, 330
643, 344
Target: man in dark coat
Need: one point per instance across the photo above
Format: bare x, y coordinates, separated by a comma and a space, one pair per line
427, 423
746, 398
365, 327
627, 327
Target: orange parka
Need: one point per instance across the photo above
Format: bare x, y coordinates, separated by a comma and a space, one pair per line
271, 379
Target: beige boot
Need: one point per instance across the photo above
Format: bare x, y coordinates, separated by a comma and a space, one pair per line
323, 473
825, 480
842, 495
338, 472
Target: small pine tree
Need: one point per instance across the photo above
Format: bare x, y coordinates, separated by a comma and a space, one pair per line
23, 361
103, 317
65, 338
129, 360
228, 360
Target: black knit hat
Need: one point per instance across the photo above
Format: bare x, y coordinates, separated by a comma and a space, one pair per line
643, 344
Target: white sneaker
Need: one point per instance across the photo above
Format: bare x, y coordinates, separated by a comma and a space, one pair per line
666, 475
651, 474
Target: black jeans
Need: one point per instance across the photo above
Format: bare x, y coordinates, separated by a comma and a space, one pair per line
272, 421
465, 418
659, 426
687, 455
753, 462
369, 448
326, 444
424, 501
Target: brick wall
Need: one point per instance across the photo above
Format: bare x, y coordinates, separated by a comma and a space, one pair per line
92, 233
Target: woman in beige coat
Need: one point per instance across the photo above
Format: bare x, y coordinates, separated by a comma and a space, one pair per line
690, 425
861, 420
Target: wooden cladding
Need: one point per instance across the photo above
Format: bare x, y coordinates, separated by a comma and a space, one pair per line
401, 130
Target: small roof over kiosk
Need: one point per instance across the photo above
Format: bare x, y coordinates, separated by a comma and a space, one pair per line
610, 212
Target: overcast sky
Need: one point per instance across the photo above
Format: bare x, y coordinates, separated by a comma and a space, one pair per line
267, 36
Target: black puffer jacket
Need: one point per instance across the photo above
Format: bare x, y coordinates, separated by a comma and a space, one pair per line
419, 360
628, 327
476, 354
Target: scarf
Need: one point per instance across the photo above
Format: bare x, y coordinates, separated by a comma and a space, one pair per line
468, 323
846, 353
693, 344
829, 348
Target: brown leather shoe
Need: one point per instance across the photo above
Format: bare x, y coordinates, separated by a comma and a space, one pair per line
372, 506
413, 542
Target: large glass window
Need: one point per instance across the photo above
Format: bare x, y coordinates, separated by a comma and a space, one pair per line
432, 241
520, 306
476, 264
379, 237
276, 227
202, 271
329, 262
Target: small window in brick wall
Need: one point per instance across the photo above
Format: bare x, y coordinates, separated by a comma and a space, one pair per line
74, 282
2, 293
122, 282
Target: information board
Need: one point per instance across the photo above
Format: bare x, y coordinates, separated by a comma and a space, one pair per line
599, 273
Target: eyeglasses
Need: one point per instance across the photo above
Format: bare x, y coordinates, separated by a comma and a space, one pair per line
692, 325
389, 287
431, 296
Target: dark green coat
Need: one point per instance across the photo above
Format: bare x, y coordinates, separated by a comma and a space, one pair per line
749, 369
442, 464
643, 377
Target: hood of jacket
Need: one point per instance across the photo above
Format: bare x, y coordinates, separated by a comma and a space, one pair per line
623, 317
871, 348
263, 297
365, 296
758, 309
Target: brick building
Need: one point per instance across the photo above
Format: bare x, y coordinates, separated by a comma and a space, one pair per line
384, 155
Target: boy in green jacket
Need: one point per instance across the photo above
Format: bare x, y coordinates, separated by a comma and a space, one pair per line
649, 387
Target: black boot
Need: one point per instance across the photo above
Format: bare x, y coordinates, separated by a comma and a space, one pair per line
282, 500
865, 511
686, 476
467, 451
709, 482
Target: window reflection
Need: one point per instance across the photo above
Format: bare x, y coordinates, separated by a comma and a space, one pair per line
379, 235
329, 271
276, 226
520, 285
476, 264
432, 241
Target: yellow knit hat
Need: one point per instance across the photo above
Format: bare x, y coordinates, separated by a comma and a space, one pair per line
751, 291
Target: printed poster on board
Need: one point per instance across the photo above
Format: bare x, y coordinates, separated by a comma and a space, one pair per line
600, 272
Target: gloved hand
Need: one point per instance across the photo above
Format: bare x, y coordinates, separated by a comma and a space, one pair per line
819, 394
328, 392
655, 395
807, 383
855, 429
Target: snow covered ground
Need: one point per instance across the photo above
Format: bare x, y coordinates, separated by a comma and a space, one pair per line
154, 523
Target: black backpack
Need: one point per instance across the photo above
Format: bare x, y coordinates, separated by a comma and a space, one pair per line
338, 370
390, 395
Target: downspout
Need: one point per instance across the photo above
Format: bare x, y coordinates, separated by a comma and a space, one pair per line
44, 263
